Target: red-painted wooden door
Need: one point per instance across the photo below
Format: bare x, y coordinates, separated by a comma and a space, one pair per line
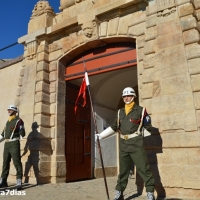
78, 137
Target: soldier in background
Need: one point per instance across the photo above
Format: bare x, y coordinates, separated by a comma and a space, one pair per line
12, 133
129, 123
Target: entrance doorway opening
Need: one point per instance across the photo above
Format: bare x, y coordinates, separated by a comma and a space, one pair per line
110, 70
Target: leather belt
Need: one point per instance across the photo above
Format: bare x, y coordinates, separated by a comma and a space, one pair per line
127, 137
11, 140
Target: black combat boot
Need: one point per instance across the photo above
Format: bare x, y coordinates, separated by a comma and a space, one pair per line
118, 195
3, 183
19, 184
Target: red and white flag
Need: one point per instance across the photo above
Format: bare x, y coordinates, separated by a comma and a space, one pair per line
82, 91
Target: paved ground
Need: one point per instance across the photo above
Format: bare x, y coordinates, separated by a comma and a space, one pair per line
90, 190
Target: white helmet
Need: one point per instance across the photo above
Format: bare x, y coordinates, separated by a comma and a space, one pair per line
128, 91
12, 107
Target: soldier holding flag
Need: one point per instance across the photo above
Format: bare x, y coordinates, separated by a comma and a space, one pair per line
129, 123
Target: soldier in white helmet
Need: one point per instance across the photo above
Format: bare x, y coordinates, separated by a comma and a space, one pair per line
129, 123
13, 131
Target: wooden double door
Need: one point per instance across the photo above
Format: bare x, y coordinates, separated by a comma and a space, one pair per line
78, 137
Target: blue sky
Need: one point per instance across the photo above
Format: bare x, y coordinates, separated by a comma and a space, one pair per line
14, 18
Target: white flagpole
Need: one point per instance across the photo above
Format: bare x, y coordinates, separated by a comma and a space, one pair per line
95, 124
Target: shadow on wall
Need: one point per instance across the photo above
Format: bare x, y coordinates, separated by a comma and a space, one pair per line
38, 147
153, 145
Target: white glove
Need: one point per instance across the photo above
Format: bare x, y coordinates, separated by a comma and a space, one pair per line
1, 138
107, 132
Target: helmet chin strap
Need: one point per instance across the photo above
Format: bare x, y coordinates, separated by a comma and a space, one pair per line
129, 101
12, 113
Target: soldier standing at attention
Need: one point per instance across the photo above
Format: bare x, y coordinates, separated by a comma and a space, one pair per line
12, 133
129, 123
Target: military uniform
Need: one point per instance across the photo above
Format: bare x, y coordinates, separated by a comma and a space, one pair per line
12, 132
132, 150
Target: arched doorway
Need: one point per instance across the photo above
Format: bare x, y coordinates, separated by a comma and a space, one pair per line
110, 69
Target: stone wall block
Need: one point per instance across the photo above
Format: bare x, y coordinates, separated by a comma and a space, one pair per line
147, 91
148, 75
137, 30
42, 66
181, 155
196, 3
44, 132
43, 47
22, 72
53, 109
176, 121
193, 65
181, 139
191, 36
45, 169
137, 18
18, 92
52, 87
113, 26
198, 117
53, 132
169, 28
180, 2
42, 97
188, 23
61, 149
103, 28
42, 87
42, 76
140, 54
43, 56
17, 101
123, 25
53, 76
53, 66
196, 100
66, 44
55, 55
197, 14
61, 109
195, 80
55, 46
53, 98
140, 41
20, 81
42, 120
60, 132
185, 9
42, 108
150, 33
150, 47
58, 169
169, 40
151, 21
192, 51
151, 9
52, 120
148, 61
60, 121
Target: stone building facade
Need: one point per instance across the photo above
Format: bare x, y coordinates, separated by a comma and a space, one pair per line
166, 35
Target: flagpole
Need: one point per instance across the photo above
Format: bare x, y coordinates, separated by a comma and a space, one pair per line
96, 131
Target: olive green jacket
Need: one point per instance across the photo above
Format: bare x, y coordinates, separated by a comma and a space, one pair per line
129, 124
9, 127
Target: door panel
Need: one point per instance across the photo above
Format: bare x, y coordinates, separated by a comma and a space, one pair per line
78, 136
